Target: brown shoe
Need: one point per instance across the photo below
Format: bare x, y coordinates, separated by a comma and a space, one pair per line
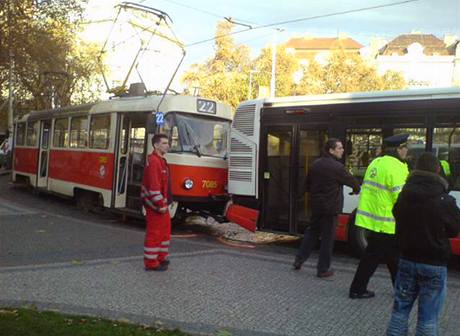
325, 274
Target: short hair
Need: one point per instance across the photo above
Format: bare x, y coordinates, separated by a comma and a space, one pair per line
331, 143
157, 137
428, 162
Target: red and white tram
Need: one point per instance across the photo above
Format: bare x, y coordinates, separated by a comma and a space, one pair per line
96, 152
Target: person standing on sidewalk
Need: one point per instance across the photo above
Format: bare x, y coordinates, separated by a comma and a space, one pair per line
325, 180
155, 194
426, 217
383, 181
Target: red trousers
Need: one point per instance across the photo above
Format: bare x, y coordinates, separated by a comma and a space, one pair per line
157, 238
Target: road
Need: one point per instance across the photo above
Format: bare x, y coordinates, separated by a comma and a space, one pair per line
55, 257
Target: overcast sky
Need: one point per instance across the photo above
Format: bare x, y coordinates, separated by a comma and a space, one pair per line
196, 21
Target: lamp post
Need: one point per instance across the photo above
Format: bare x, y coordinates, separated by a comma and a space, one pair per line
250, 83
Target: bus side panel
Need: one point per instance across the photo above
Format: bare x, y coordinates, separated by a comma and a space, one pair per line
207, 181
86, 168
26, 160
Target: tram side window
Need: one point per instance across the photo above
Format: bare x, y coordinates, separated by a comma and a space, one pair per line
446, 146
99, 133
363, 146
78, 132
61, 133
20, 134
32, 134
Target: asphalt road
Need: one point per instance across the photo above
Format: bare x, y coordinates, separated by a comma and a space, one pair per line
56, 257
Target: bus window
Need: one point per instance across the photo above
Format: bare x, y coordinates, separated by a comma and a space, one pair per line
446, 146
99, 132
20, 134
61, 133
78, 132
363, 146
32, 133
416, 143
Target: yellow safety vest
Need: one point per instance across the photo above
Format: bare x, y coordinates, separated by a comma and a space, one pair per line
445, 167
383, 181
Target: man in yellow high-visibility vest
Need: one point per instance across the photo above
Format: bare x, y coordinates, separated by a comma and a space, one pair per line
383, 181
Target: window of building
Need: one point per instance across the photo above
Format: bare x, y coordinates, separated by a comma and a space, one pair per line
32, 133
78, 132
61, 133
99, 134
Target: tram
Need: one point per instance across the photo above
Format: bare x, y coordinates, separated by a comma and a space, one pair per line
96, 152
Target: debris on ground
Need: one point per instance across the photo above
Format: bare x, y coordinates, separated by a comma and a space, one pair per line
233, 232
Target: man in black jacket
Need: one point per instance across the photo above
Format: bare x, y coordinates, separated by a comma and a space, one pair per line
325, 180
426, 216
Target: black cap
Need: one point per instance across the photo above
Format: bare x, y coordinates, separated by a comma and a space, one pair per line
396, 140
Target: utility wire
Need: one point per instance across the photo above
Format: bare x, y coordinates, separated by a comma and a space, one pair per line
303, 19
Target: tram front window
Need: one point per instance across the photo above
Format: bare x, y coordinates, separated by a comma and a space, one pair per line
197, 134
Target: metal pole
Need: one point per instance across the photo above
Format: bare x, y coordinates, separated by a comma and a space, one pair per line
273, 79
10, 72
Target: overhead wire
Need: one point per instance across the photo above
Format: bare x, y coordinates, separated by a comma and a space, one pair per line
280, 23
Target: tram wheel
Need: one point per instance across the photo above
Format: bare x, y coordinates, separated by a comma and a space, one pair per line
87, 201
357, 237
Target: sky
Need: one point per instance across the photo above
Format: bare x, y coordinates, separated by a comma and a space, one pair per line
196, 21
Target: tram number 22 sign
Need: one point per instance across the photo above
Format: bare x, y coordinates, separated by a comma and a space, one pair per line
206, 106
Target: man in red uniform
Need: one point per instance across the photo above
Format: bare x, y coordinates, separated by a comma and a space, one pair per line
155, 195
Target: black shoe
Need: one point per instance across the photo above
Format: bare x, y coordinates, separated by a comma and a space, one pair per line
297, 265
364, 295
165, 262
325, 274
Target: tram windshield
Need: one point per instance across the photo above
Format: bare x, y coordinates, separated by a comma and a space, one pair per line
197, 134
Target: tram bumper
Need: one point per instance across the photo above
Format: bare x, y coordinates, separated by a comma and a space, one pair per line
241, 215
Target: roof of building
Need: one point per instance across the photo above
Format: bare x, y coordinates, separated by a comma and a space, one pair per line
432, 45
322, 43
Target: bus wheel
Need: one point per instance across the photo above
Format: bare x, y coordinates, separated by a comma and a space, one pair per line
87, 201
357, 237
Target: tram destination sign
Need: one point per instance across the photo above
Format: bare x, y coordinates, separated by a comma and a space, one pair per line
206, 106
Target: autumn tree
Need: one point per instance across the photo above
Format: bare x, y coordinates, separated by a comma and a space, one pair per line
286, 65
50, 63
225, 75
345, 72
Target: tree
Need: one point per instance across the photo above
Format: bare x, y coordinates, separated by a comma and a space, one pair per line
225, 76
51, 65
346, 73
286, 65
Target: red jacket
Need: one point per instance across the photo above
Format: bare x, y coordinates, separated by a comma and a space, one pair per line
154, 190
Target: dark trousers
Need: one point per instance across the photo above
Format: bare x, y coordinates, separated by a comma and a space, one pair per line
322, 225
381, 248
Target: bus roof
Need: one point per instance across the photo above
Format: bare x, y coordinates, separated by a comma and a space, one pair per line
362, 97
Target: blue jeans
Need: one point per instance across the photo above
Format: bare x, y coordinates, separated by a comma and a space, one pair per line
428, 283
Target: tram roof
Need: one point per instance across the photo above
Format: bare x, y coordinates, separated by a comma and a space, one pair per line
132, 104
362, 97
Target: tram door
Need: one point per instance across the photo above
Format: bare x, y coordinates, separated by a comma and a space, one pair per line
42, 173
123, 161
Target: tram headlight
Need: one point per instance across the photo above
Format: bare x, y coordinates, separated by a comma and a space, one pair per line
188, 184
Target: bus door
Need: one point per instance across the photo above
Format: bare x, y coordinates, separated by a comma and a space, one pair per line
276, 178
123, 161
310, 143
43, 156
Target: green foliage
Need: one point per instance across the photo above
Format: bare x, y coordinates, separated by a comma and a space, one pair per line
31, 322
49, 60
